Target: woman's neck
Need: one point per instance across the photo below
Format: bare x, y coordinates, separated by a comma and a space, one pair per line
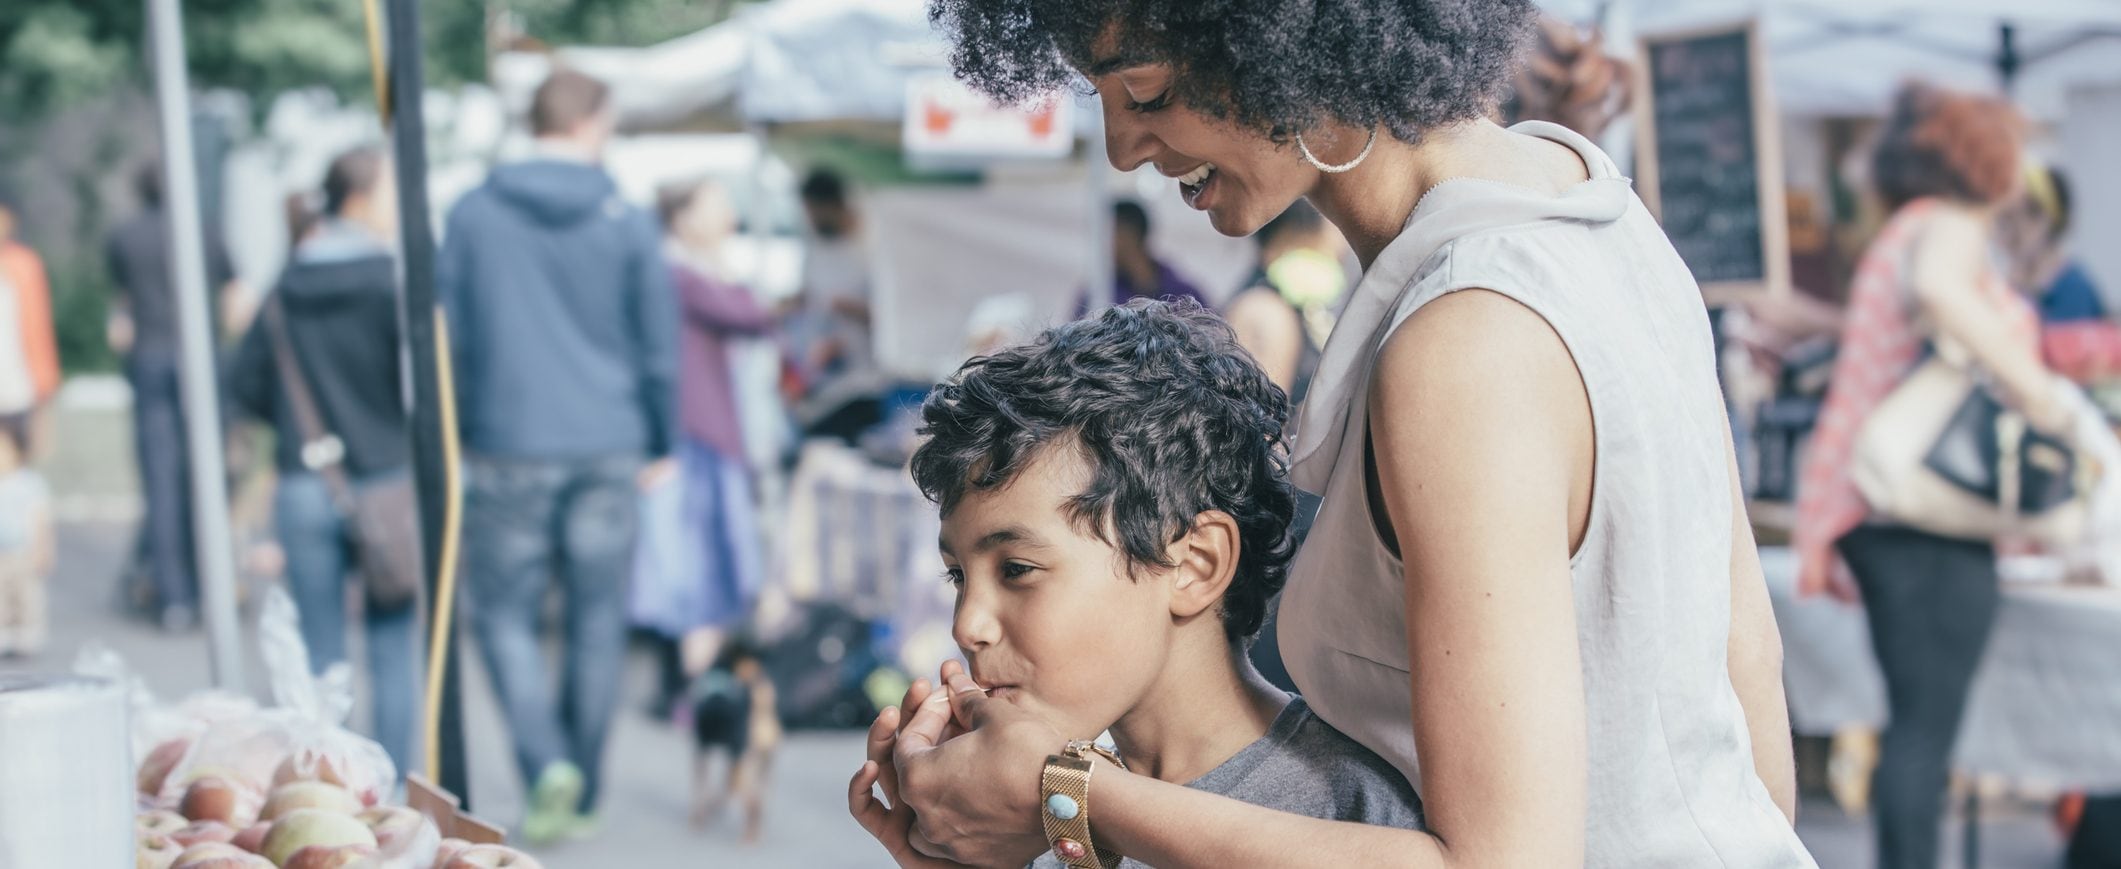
1372, 203
1206, 707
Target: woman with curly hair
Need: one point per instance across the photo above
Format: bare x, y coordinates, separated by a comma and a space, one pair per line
1946, 164
1531, 586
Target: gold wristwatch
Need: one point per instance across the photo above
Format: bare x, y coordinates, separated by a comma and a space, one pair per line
1064, 805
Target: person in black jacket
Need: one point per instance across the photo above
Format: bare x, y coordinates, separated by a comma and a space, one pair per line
338, 299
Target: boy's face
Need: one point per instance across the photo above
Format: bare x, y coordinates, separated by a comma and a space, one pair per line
1046, 613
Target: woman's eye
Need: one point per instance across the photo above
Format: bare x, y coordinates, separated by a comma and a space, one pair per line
1150, 105
1013, 570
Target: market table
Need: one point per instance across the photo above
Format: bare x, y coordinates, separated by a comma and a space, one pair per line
2045, 706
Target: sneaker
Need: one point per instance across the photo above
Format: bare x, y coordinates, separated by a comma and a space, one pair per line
553, 801
585, 826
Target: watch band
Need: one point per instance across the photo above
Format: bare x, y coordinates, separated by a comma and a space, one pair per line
1064, 809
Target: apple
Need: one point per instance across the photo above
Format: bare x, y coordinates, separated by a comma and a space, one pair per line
493, 857
156, 851
211, 798
309, 795
395, 826
160, 762
204, 831
204, 852
159, 821
331, 857
447, 851
303, 827
252, 838
225, 861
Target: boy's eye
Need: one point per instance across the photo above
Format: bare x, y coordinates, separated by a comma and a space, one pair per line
954, 576
1014, 570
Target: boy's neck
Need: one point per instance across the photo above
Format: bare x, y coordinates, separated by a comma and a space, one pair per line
1208, 704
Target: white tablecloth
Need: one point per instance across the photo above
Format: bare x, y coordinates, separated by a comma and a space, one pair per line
2046, 704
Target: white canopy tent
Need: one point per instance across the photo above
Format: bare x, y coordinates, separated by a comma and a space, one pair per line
1846, 57
784, 62
2058, 60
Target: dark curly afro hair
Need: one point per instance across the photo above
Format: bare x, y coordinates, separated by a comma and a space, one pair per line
1172, 416
1279, 66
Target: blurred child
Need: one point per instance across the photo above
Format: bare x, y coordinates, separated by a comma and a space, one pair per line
26, 544
733, 713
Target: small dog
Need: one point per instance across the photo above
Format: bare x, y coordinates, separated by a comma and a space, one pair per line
733, 714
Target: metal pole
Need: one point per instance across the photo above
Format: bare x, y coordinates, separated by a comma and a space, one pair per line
197, 372
416, 241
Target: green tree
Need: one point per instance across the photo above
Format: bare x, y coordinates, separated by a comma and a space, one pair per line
56, 52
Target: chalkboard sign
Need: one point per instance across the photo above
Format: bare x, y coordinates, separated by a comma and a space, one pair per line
1709, 160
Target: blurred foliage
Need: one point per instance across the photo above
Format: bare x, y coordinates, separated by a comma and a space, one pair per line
80, 58
82, 291
56, 52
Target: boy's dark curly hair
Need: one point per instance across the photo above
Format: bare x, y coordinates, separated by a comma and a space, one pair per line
1280, 66
1173, 417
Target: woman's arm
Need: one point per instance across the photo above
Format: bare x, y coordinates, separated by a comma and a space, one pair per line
1484, 457
1755, 655
1948, 261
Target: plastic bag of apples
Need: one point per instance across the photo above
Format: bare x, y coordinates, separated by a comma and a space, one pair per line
225, 784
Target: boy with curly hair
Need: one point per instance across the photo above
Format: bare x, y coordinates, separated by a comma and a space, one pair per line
1115, 518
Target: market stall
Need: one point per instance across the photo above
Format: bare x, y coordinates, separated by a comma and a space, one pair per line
2045, 707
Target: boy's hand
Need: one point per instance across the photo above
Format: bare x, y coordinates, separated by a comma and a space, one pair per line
960, 695
890, 825
917, 694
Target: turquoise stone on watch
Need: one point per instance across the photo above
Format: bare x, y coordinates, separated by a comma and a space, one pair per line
1063, 807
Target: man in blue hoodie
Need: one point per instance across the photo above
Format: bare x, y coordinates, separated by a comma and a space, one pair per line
564, 335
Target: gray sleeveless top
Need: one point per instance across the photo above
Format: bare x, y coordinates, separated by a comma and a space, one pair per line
1671, 770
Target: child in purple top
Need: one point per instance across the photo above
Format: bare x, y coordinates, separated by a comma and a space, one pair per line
700, 564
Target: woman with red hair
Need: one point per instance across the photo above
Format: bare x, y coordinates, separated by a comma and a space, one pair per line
1946, 164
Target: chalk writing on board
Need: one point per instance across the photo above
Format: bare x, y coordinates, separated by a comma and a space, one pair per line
1707, 164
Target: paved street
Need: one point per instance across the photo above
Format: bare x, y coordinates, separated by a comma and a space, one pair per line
807, 824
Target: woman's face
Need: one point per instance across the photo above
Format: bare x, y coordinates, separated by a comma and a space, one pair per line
1240, 177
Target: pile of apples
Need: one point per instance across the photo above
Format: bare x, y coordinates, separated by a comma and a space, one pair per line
307, 819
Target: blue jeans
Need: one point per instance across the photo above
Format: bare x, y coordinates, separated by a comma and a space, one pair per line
160, 439
318, 560
528, 523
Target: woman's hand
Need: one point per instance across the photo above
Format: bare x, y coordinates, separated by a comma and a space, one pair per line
1828, 574
891, 825
975, 797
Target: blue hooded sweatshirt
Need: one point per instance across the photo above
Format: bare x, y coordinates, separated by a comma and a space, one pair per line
562, 321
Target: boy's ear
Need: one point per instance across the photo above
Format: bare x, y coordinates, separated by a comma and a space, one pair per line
1207, 561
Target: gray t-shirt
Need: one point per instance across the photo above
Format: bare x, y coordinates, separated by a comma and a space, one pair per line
1305, 767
